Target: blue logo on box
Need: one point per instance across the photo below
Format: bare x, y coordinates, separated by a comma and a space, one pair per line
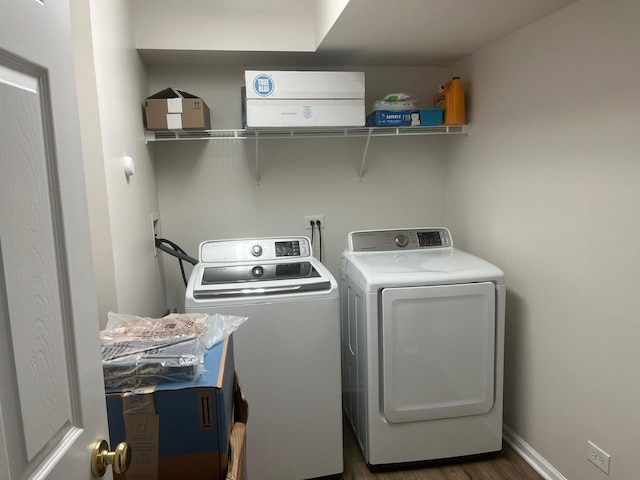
263, 85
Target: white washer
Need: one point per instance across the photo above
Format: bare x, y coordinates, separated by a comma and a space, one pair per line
422, 347
287, 354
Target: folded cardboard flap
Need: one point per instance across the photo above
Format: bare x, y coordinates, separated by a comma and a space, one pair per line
238, 456
240, 405
238, 438
171, 93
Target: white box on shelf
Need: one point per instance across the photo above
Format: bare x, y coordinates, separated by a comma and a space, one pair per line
304, 99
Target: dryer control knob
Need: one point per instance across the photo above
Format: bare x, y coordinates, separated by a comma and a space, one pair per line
401, 240
256, 250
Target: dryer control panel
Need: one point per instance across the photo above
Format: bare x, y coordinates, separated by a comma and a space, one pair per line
399, 239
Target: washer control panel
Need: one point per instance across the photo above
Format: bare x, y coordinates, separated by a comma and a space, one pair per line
251, 249
400, 239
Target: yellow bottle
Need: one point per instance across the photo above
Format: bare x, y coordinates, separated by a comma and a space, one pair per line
451, 98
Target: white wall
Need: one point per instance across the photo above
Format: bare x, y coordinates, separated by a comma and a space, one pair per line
326, 13
121, 85
547, 187
238, 25
207, 189
92, 154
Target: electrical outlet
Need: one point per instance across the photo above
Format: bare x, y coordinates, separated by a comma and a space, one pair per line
155, 231
598, 457
315, 218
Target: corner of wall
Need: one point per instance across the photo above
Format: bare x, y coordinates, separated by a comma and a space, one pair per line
128, 202
92, 153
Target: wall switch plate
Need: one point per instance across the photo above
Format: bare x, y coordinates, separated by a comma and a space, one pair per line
315, 218
598, 457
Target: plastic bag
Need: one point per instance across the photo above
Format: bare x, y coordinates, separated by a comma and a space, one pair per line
395, 97
168, 329
139, 351
221, 326
135, 365
395, 102
394, 106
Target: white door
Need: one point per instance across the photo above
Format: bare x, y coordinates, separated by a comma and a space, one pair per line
438, 347
52, 405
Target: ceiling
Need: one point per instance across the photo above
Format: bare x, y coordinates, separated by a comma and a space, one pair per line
425, 33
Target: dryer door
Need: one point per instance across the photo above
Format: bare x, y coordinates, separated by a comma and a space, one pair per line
438, 351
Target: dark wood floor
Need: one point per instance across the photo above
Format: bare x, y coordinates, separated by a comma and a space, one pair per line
507, 465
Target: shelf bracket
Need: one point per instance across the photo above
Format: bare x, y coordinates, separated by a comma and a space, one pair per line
257, 159
364, 155
149, 137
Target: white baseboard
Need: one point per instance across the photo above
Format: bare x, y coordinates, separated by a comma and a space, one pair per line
533, 458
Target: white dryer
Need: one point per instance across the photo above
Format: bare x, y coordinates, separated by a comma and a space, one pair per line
287, 354
422, 347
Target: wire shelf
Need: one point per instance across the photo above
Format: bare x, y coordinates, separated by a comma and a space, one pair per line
320, 132
258, 134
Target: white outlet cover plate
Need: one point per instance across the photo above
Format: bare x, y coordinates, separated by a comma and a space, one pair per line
308, 218
598, 457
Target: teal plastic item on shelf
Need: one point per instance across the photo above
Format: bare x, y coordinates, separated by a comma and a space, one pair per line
431, 116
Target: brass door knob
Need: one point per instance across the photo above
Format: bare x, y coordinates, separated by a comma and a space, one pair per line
101, 457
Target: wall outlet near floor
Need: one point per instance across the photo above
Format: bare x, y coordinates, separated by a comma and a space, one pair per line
315, 218
598, 457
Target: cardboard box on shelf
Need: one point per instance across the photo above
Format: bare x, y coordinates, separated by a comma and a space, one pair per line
178, 429
304, 99
172, 109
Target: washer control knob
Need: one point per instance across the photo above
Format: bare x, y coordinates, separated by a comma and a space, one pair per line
256, 250
401, 240
257, 272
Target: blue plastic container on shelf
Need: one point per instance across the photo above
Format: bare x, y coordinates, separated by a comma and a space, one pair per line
431, 116
389, 118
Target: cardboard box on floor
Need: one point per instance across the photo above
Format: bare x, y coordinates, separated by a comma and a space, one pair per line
180, 429
172, 109
238, 441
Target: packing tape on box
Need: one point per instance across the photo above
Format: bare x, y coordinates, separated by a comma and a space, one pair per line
142, 434
174, 121
174, 105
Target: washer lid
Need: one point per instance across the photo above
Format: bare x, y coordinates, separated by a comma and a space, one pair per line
266, 267
256, 273
375, 270
238, 280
